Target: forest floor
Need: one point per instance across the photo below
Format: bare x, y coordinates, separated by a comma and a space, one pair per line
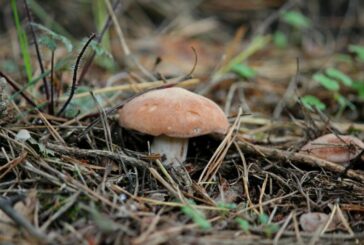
284, 73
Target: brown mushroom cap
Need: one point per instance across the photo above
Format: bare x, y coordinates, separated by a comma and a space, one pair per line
175, 112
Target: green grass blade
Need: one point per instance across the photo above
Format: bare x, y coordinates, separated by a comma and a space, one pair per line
23, 41
100, 13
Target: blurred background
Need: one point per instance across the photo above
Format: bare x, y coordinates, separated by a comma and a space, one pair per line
266, 36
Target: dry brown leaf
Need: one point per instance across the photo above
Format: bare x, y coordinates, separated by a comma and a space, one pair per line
25, 208
333, 148
177, 55
310, 222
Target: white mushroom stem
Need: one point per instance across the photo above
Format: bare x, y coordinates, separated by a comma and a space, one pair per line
174, 149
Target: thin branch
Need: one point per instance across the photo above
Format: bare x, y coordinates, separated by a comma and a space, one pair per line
194, 63
65, 150
51, 108
17, 89
289, 92
39, 57
74, 79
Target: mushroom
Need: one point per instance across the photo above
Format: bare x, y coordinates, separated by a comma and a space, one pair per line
334, 148
173, 115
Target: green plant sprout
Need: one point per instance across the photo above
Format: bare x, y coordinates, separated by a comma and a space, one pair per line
280, 39
331, 80
197, 216
257, 44
358, 86
268, 228
244, 71
50, 38
310, 101
295, 20
243, 224
227, 207
358, 51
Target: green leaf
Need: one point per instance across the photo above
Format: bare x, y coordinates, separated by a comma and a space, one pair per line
244, 71
296, 19
263, 218
48, 42
52, 35
270, 229
103, 57
326, 82
42, 148
98, 49
358, 86
310, 101
280, 39
226, 205
337, 74
243, 224
344, 102
358, 50
197, 216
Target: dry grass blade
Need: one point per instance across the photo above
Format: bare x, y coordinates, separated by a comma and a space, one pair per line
168, 186
344, 220
12, 164
127, 53
104, 122
284, 226
245, 177
296, 229
273, 200
133, 87
261, 196
73, 151
52, 130
151, 201
217, 158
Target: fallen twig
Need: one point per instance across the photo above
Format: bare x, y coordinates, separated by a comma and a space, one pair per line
96, 153
298, 158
